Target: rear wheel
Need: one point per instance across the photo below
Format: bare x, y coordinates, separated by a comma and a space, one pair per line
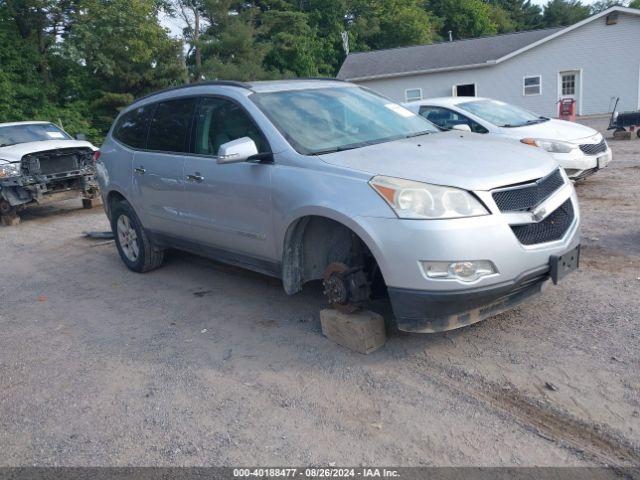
638, 133
134, 246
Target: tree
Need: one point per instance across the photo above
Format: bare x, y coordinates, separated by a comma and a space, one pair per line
603, 5
123, 48
41, 23
564, 12
191, 13
523, 14
502, 19
635, 4
463, 18
289, 42
376, 24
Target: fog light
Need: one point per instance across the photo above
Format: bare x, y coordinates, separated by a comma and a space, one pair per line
465, 271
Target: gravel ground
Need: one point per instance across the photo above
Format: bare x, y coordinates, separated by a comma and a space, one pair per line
199, 363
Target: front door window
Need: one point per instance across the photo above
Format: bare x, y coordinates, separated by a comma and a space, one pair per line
219, 121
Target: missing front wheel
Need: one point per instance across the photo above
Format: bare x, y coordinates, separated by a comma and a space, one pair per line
346, 288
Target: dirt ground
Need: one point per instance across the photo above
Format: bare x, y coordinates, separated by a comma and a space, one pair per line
199, 363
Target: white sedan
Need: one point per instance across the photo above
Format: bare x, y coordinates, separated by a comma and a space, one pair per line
580, 150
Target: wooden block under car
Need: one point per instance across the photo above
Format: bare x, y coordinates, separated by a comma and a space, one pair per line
362, 332
10, 221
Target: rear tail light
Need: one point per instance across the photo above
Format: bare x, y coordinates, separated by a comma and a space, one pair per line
96, 156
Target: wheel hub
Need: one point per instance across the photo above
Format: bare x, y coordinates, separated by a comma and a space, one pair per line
128, 238
346, 288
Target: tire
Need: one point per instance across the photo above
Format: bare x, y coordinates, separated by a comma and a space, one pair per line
638, 133
133, 244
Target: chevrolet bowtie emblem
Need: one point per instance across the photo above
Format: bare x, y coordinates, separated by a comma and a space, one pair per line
538, 214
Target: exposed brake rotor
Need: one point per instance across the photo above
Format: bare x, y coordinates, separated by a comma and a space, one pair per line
346, 288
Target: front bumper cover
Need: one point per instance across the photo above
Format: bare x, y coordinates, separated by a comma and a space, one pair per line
421, 311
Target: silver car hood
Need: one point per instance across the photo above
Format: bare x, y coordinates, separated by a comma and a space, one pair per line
457, 159
552, 130
14, 153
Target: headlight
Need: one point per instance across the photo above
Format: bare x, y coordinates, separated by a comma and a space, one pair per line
553, 146
416, 200
9, 170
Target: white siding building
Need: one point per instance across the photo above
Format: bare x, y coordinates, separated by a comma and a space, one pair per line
593, 61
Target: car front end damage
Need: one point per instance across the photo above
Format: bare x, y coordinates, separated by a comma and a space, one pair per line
45, 177
457, 272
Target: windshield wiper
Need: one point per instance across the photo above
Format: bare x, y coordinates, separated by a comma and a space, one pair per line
426, 132
7, 144
528, 122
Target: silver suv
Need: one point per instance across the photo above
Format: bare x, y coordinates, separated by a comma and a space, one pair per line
323, 180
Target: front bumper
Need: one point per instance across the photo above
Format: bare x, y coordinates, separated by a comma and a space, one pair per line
423, 304
578, 165
428, 312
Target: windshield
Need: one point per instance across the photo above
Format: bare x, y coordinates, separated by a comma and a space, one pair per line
30, 132
327, 120
502, 114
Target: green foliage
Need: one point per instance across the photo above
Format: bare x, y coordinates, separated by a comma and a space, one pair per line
523, 14
635, 4
603, 5
564, 12
464, 18
377, 24
76, 62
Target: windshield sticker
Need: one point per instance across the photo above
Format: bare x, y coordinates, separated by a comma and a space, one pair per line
399, 110
55, 135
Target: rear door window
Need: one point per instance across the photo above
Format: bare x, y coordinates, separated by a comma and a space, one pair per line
169, 130
133, 126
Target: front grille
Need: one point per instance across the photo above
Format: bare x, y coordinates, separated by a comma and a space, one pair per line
551, 228
594, 148
56, 161
59, 164
528, 196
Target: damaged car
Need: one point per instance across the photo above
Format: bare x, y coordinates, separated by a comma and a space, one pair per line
39, 164
321, 180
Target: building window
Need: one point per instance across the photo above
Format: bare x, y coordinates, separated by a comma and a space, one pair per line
413, 94
532, 85
568, 84
464, 90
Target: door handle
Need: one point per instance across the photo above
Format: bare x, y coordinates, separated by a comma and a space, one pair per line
140, 170
195, 178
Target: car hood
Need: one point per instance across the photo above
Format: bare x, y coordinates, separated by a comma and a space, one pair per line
551, 130
458, 159
14, 153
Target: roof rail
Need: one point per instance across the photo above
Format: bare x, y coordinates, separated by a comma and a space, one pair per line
227, 83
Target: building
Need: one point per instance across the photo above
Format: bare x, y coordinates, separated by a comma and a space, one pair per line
593, 62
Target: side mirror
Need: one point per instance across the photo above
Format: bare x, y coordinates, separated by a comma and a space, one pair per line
236, 151
463, 127
81, 136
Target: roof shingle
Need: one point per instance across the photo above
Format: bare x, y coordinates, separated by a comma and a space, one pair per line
422, 58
